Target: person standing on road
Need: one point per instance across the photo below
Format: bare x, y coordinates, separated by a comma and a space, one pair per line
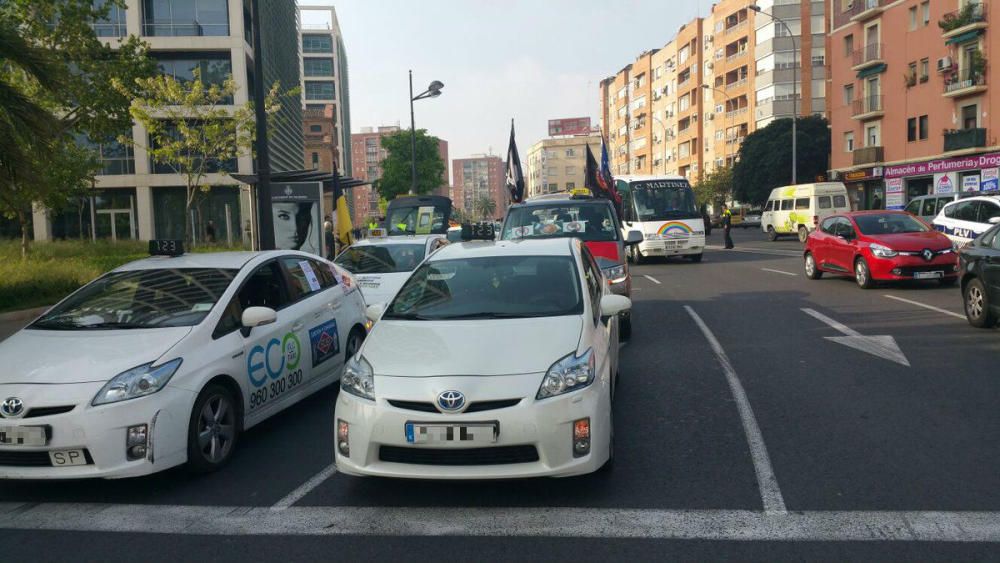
727, 225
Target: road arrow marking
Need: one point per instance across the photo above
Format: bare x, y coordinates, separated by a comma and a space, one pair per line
883, 346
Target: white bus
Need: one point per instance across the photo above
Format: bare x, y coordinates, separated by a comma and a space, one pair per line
663, 208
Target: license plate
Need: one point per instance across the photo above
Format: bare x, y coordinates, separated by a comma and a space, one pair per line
928, 275
467, 433
65, 458
23, 435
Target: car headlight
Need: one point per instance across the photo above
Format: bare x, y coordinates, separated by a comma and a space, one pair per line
136, 382
614, 274
358, 378
882, 251
568, 374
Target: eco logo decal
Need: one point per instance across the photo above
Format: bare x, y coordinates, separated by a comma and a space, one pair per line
272, 360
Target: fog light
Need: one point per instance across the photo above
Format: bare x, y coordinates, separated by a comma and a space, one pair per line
136, 441
896, 271
343, 439
581, 437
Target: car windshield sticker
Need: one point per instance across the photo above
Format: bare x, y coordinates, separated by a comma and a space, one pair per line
200, 307
550, 228
325, 342
310, 275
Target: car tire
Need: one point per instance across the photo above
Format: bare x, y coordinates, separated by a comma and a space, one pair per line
695, 257
772, 235
214, 429
637, 257
863, 274
812, 269
624, 328
977, 305
803, 234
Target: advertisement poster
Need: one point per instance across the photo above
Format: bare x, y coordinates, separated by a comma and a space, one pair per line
990, 180
894, 194
296, 209
970, 183
944, 183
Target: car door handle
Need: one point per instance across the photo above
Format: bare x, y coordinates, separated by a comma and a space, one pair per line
297, 326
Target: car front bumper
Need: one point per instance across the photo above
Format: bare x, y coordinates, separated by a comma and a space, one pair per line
673, 246
100, 431
544, 425
902, 268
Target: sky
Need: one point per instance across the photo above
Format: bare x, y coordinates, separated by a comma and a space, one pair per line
530, 60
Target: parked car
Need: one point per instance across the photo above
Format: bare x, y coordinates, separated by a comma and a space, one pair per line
927, 207
797, 210
980, 264
876, 246
966, 219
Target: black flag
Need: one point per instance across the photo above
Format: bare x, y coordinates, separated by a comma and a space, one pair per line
515, 177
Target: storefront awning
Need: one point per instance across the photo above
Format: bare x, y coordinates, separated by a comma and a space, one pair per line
967, 36
872, 71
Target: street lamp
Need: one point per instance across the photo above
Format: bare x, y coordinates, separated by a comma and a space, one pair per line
795, 80
664, 140
725, 151
432, 91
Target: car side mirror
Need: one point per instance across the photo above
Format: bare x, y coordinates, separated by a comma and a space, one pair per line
257, 316
633, 237
995, 220
612, 305
374, 311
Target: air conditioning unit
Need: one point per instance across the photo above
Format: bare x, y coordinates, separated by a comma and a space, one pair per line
944, 63
710, 116
709, 65
709, 38
670, 113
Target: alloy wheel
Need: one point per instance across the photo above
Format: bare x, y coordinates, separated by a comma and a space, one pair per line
216, 428
974, 302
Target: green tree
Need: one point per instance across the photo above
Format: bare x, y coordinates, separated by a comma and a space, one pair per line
716, 187
486, 208
396, 171
194, 130
765, 158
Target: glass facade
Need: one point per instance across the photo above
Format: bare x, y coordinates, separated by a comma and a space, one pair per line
112, 25
317, 43
116, 159
208, 215
185, 18
215, 67
171, 132
317, 67
316, 90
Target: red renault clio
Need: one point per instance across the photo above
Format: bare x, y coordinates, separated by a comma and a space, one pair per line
876, 246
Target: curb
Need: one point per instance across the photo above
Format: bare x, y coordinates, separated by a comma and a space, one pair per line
23, 315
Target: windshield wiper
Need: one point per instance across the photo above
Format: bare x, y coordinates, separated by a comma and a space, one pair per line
495, 315
407, 317
111, 326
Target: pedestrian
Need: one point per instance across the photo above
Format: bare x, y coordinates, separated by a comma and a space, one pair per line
210, 232
727, 225
329, 239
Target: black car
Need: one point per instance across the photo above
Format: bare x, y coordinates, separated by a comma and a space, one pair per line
980, 264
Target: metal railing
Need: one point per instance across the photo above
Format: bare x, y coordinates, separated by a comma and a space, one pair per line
868, 104
868, 155
958, 139
968, 15
867, 54
965, 77
192, 29
736, 84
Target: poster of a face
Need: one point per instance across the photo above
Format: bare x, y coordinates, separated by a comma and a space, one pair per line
295, 210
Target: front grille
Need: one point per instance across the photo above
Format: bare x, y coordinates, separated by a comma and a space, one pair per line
501, 455
478, 406
32, 459
48, 411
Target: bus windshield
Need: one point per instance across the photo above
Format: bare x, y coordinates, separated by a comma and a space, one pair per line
657, 200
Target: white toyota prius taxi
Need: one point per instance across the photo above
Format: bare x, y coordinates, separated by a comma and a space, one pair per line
495, 360
381, 264
167, 360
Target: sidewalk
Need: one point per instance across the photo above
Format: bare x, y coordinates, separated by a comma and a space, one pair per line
15, 321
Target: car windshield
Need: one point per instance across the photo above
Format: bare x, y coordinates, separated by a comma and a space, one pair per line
141, 299
416, 221
490, 288
586, 221
889, 224
657, 200
381, 259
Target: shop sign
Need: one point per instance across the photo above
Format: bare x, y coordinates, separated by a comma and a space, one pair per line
944, 183
970, 183
944, 165
859, 175
990, 180
894, 198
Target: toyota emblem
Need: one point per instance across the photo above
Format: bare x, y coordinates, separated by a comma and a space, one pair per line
12, 406
451, 401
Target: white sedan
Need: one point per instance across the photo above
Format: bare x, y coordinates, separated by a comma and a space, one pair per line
381, 265
495, 360
167, 360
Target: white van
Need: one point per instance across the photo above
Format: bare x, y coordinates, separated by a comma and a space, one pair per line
796, 210
966, 219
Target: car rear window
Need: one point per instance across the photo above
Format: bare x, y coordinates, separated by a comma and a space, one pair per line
802, 203
824, 202
589, 221
786, 205
840, 201
381, 259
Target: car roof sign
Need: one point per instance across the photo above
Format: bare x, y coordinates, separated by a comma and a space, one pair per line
166, 247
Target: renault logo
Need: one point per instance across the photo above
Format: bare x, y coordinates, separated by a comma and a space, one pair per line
928, 254
451, 401
12, 406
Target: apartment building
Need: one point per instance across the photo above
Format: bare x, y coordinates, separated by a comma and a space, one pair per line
559, 164
909, 99
730, 71
476, 178
135, 198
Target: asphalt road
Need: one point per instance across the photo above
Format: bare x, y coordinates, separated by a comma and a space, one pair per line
759, 416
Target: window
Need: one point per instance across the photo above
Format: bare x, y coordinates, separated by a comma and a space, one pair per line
923, 133
911, 129
913, 18
317, 67
802, 203
849, 141
840, 201
315, 159
962, 211
319, 90
170, 133
925, 65
382, 259
214, 68
305, 277
987, 211
824, 202
317, 44
829, 225
848, 94
594, 282
570, 185
786, 205
570, 152
263, 288
315, 128
913, 207
185, 18
570, 170
970, 115
872, 136
848, 45
925, 9
112, 25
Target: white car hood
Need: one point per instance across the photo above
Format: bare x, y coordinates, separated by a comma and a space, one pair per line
380, 288
58, 356
470, 347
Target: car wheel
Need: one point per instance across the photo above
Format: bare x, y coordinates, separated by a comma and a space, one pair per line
624, 327
771, 234
213, 429
977, 305
637, 257
803, 234
862, 274
812, 271
695, 257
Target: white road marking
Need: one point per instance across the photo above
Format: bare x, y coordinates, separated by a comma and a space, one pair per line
652, 279
305, 488
779, 272
770, 493
751, 250
925, 306
737, 525
883, 346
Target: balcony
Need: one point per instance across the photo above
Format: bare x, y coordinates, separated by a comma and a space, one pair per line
736, 112
868, 107
736, 55
869, 9
868, 155
868, 56
969, 18
735, 28
958, 139
967, 80
737, 84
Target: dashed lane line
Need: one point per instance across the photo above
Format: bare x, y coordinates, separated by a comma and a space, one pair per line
779, 272
770, 252
770, 493
929, 307
304, 489
737, 525
652, 279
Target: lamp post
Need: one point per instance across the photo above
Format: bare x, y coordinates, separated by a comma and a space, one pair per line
432, 91
265, 220
795, 86
725, 151
663, 127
